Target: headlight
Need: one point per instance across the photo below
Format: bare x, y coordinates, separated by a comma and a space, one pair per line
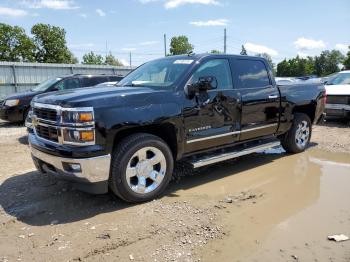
80, 126
78, 136
12, 102
78, 117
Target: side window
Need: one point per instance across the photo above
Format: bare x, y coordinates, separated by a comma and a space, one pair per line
219, 68
251, 74
94, 80
115, 78
100, 79
68, 84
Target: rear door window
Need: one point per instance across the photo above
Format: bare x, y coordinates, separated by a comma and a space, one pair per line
70, 83
94, 80
250, 74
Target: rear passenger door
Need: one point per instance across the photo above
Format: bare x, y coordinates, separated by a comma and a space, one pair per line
260, 98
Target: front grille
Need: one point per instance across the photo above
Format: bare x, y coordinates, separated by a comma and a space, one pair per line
47, 132
345, 100
45, 113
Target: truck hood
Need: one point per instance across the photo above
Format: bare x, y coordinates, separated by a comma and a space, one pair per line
23, 95
338, 89
95, 96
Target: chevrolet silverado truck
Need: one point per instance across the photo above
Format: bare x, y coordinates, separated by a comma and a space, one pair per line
197, 109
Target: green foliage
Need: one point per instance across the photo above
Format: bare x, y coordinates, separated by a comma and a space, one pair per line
15, 45
180, 45
346, 62
50, 42
214, 51
325, 64
296, 67
243, 51
111, 60
92, 59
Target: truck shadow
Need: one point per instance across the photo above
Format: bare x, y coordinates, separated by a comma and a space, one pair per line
39, 199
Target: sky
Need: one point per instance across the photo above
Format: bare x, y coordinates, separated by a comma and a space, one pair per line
280, 28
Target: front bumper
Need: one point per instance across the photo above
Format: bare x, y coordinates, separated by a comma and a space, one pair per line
92, 176
337, 110
12, 114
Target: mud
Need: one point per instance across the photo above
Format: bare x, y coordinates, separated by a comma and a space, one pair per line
269, 206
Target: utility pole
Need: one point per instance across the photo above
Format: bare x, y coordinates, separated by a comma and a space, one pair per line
164, 44
225, 38
106, 49
130, 59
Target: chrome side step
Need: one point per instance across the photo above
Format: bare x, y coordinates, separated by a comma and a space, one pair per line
225, 156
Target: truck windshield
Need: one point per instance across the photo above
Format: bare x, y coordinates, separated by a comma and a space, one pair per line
159, 73
43, 86
340, 79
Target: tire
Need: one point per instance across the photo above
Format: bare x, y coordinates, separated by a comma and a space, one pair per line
298, 137
141, 168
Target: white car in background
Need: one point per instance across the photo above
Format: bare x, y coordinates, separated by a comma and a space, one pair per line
338, 95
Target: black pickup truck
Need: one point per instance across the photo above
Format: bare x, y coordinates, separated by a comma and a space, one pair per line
200, 109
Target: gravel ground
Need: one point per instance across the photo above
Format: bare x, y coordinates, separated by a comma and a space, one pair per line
45, 219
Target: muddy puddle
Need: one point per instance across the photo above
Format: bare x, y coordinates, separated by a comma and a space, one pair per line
298, 200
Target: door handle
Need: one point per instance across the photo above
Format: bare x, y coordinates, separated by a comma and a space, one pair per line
273, 96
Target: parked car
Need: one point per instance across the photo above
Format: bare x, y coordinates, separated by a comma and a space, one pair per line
200, 109
286, 80
104, 84
15, 107
338, 95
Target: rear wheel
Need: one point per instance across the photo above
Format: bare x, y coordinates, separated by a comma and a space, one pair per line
297, 139
142, 166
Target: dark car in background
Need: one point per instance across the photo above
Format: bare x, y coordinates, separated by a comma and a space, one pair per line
14, 108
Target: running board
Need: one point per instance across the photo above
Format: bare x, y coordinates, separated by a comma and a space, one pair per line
208, 160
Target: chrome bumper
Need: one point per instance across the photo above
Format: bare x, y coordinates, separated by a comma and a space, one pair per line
338, 107
92, 170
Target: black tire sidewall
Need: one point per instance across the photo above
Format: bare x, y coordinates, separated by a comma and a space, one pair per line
120, 179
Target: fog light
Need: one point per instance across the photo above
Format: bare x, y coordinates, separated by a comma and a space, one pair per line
75, 167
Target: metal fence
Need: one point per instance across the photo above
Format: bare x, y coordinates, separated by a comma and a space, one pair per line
18, 77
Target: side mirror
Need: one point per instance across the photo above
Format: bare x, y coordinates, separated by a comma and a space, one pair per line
203, 84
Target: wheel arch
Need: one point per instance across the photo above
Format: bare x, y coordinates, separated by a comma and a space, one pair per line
165, 131
307, 109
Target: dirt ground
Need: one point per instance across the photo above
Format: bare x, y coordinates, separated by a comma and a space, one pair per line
269, 206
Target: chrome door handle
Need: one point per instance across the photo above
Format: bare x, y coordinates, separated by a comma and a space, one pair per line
273, 96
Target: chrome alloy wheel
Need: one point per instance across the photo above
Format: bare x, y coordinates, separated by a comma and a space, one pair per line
146, 170
302, 134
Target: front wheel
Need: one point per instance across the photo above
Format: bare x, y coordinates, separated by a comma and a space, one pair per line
142, 166
297, 138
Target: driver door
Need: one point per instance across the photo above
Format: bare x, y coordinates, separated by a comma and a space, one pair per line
212, 118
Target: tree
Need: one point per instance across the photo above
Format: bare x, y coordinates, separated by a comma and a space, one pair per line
346, 62
296, 67
243, 51
15, 45
50, 42
111, 60
214, 51
92, 59
180, 45
328, 62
